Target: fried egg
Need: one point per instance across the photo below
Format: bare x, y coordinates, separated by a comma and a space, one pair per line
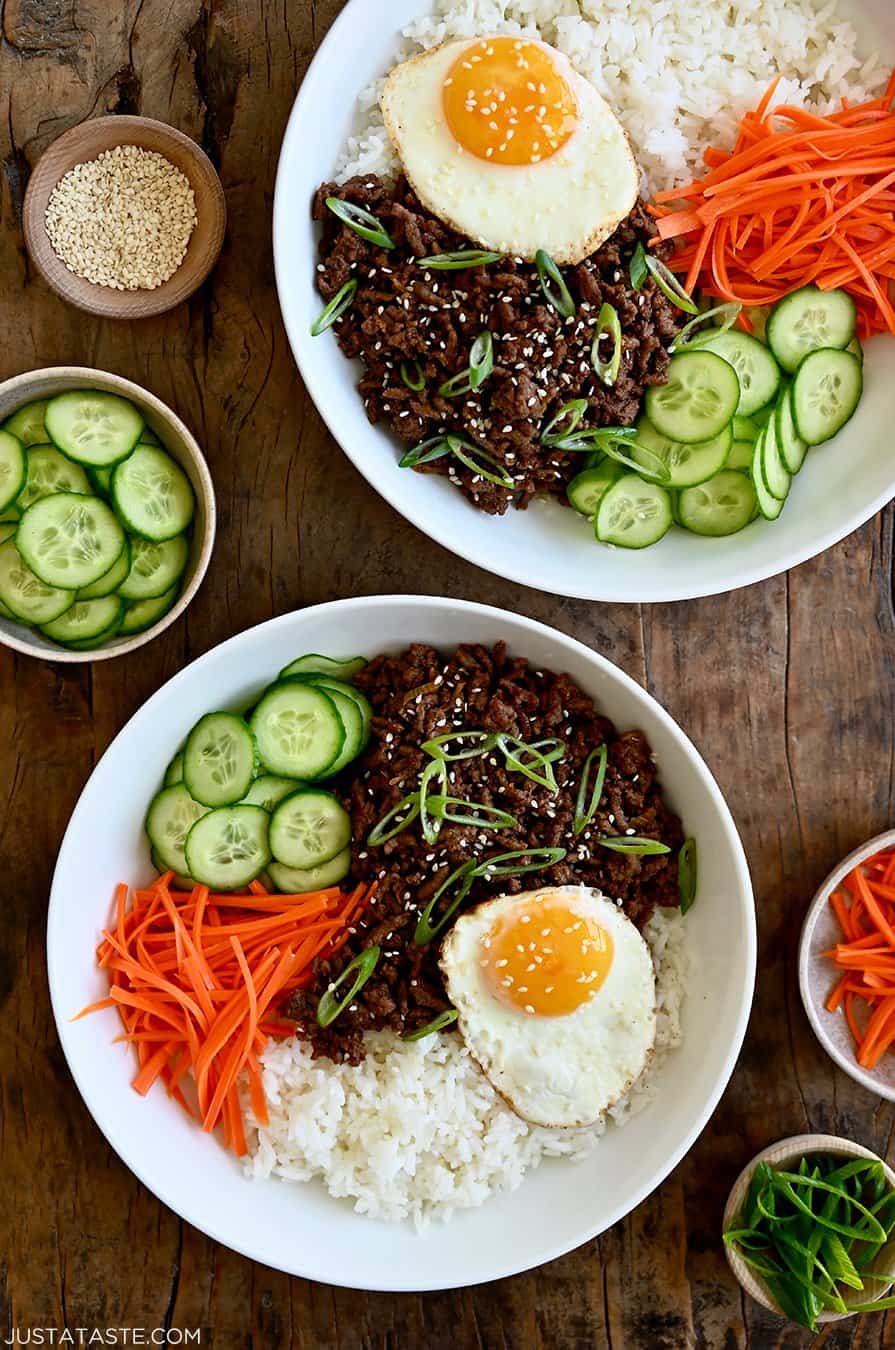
501, 138
555, 991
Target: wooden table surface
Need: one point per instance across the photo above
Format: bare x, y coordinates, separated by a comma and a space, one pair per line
787, 688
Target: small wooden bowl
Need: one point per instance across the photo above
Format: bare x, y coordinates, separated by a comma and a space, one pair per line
784, 1153
86, 141
818, 975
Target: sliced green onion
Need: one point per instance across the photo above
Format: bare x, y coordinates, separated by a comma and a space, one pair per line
480, 742
471, 455
481, 364
340, 303
687, 874
430, 825
395, 820
456, 262
457, 811
730, 311
444, 1019
436, 447
535, 766
575, 441
650, 465
554, 287
363, 222
329, 1007
637, 269
669, 285
462, 878
504, 864
647, 848
412, 375
552, 748
587, 803
608, 325
571, 414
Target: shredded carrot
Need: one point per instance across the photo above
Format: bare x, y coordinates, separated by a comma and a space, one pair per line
195, 975
865, 911
801, 198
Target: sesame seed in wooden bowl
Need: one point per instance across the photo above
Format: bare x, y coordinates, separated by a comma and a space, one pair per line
124, 217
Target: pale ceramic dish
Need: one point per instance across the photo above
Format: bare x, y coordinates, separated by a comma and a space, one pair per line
180, 444
782, 1154
548, 546
301, 1229
818, 975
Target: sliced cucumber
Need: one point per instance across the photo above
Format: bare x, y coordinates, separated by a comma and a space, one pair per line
808, 320
24, 594
143, 614
686, 464
357, 733
70, 540
790, 444
152, 494
757, 371
13, 468
154, 567
85, 621
148, 437
856, 349
768, 506
298, 730
826, 390
228, 848
298, 881
7, 530
219, 760
6, 613
745, 429
740, 456
50, 472
723, 506
698, 401
101, 480
28, 424
633, 513
111, 580
314, 664
586, 490
174, 771
172, 814
181, 883
93, 427
268, 791
308, 828
777, 478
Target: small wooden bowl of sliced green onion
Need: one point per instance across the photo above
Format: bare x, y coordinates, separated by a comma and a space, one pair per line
809, 1229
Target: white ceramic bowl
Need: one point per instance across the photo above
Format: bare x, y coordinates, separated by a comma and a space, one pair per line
818, 975
180, 444
547, 546
300, 1229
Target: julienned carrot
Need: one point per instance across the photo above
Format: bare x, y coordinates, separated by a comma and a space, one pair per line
801, 198
194, 977
865, 910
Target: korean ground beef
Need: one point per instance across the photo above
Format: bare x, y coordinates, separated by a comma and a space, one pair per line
419, 695
402, 312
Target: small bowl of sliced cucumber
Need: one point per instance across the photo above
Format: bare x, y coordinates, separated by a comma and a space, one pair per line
107, 515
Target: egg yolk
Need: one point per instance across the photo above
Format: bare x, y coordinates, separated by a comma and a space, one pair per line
506, 101
544, 958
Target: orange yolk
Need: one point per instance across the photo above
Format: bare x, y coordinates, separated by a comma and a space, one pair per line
545, 959
506, 101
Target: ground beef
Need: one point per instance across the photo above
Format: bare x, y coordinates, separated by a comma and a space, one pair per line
402, 312
418, 695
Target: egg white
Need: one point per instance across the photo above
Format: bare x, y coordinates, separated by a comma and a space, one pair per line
564, 1071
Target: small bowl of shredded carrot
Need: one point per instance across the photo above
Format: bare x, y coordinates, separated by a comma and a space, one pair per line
847, 965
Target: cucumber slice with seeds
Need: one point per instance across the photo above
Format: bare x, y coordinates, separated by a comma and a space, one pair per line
111, 580
740, 456
790, 444
152, 494
808, 320
777, 478
297, 729
180, 883
228, 848
93, 427
172, 814
314, 664
757, 371
101, 480
28, 424
354, 709
86, 621
724, 505
745, 429
13, 468
143, 614
633, 513
268, 791
24, 594
174, 771
686, 464
698, 401
70, 540
587, 489
219, 760
768, 506
50, 472
309, 828
826, 390
298, 881
154, 567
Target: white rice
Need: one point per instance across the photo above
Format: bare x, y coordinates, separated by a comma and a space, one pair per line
679, 73
416, 1131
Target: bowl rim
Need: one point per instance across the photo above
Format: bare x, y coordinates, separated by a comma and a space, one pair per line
429, 521
522, 625
865, 1077
790, 1148
128, 389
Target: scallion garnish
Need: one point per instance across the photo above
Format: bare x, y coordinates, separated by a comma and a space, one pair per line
588, 801
616, 446
459, 882
457, 811
472, 744
430, 823
637, 269
395, 820
504, 864
551, 748
360, 220
622, 843
444, 1019
669, 285
564, 423
459, 261
729, 313
436, 447
481, 364
528, 760
608, 325
687, 874
412, 375
340, 303
554, 287
473, 456
329, 1007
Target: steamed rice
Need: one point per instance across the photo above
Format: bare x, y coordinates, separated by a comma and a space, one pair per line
679, 75
416, 1131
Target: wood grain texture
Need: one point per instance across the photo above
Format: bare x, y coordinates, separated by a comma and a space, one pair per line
787, 688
